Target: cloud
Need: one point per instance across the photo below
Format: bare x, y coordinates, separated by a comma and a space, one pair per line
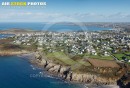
119, 15
26, 16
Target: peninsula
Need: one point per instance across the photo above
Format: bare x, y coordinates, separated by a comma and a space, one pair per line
97, 57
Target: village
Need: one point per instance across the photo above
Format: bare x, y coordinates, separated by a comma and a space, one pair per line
102, 54
110, 44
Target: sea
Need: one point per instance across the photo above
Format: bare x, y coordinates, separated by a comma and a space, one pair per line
17, 72
6, 35
51, 26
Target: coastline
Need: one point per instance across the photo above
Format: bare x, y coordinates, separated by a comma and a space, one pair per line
61, 71
65, 73
12, 52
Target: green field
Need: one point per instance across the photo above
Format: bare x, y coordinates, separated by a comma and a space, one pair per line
120, 55
99, 57
60, 57
77, 63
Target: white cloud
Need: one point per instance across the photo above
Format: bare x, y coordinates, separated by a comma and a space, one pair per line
44, 17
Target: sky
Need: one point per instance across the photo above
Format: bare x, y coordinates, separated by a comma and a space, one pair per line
68, 10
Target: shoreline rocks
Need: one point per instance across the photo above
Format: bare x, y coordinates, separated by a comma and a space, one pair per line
66, 73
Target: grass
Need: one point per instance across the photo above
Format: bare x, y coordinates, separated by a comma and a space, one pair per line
99, 57
63, 59
60, 56
11, 47
85, 63
127, 53
77, 63
120, 55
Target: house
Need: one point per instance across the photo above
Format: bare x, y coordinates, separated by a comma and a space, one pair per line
93, 52
106, 54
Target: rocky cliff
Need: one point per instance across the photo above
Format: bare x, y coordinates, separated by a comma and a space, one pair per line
66, 73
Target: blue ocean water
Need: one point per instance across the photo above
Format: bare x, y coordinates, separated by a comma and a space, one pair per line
15, 72
5, 35
49, 26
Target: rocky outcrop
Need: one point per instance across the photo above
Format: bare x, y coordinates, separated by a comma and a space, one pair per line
55, 69
66, 73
